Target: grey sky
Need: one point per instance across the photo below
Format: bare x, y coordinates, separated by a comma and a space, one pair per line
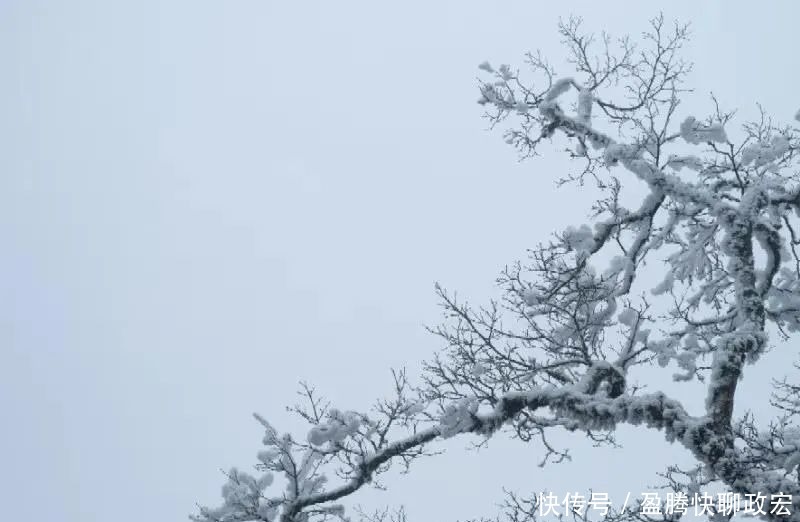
202, 203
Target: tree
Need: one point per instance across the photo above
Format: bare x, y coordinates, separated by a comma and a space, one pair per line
719, 216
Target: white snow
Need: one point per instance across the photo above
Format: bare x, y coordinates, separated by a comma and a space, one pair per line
558, 88
580, 239
695, 132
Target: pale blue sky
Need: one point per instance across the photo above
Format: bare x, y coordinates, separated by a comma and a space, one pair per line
202, 203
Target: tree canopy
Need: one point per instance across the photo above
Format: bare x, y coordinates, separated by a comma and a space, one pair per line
718, 224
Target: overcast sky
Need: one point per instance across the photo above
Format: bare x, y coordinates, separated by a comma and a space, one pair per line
203, 202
